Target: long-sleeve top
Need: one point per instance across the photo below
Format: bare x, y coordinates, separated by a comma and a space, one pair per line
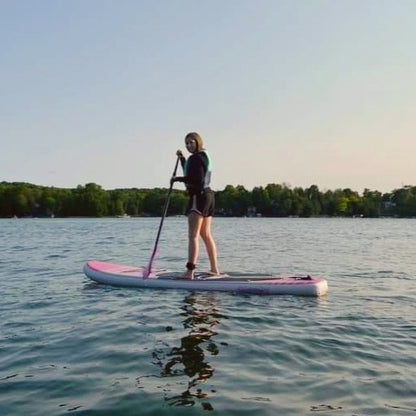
197, 172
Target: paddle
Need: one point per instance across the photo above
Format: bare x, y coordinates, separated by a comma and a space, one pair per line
147, 272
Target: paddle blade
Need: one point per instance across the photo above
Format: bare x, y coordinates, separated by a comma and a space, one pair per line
148, 270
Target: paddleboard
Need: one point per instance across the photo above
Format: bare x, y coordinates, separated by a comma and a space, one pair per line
123, 275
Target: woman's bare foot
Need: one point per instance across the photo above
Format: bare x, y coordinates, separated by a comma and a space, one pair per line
189, 275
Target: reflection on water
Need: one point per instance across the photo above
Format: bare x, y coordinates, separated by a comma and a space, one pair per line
190, 359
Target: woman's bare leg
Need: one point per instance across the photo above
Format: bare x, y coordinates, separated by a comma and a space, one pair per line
207, 237
194, 229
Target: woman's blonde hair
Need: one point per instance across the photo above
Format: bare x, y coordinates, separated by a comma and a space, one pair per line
197, 138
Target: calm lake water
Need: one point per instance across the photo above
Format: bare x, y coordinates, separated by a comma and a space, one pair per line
70, 346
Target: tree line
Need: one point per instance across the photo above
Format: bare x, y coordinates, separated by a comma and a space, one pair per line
274, 200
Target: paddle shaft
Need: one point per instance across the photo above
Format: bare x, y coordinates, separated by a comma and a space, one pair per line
165, 210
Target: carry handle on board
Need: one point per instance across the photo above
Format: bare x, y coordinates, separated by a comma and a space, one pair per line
165, 210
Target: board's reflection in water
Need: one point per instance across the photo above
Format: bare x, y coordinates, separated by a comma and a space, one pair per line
191, 358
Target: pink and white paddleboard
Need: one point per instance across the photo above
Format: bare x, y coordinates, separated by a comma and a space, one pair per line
121, 275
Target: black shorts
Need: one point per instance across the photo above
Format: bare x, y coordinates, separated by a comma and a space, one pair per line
202, 203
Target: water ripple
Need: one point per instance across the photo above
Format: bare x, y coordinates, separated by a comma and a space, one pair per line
71, 346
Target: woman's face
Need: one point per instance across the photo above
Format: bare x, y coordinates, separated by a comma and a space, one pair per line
191, 145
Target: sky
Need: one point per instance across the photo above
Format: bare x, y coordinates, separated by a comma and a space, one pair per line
295, 92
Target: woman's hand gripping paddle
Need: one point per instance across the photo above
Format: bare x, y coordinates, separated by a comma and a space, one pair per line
147, 271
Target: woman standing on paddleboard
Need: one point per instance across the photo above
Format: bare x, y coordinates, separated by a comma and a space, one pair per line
197, 177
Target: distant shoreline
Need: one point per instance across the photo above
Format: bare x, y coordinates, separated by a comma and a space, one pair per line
274, 200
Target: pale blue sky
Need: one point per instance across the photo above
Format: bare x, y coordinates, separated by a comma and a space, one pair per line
299, 92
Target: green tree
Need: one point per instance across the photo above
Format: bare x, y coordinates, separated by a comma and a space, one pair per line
405, 200
261, 201
178, 203
154, 201
233, 201
371, 203
93, 200
21, 206
314, 204
278, 201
